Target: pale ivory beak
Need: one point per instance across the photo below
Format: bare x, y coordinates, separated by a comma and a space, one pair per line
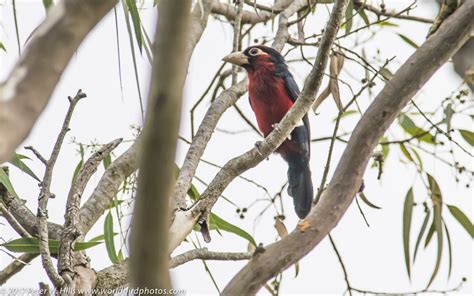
237, 58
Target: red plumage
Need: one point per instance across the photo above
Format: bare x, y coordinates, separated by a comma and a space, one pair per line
272, 92
269, 100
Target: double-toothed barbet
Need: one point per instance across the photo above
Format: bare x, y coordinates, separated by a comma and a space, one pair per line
272, 91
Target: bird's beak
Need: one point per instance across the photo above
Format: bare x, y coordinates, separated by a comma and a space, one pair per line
237, 58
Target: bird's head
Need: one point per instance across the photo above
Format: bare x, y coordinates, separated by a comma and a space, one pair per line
256, 58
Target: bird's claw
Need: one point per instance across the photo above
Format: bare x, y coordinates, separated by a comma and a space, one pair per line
303, 225
258, 250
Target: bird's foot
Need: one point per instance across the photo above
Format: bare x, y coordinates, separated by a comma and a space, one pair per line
303, 225
362, 186
258, 250
276, 126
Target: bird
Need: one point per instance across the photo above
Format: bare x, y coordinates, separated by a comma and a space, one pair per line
272, 91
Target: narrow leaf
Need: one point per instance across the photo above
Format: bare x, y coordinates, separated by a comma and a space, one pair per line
408, 41
429, 235
79, 246
17, 161
132, 8
363, 15
107, 161
349, 14
422, 231
410, 127
226, 226
109, 238
468, 136
29, 245
407, 215
5, 180
406, 152
439, 233
367, 202
450, 253
462, 219
47, 4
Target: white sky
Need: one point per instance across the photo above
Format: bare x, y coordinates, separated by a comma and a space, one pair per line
373, 256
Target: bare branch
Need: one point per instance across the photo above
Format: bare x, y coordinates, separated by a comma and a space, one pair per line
68, 259
16, 266
117, 276
45, 195
13, 221
380, 12
205, 254
348, 175
26, 91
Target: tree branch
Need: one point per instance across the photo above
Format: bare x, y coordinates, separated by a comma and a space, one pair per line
149, 234
348, 175
45, 195
68, 259
25, 93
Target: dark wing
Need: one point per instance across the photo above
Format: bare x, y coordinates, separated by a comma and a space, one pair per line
293, 92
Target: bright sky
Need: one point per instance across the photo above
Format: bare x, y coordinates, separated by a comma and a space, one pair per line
372, 255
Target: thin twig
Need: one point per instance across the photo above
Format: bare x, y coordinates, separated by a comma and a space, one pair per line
45, 195
339, 257
13, 221
37, 154
380, 12
205, 254
16, 266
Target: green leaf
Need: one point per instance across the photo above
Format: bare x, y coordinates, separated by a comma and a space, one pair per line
436, 196
462, 219
5, 180
107, 161
367, 202
410, 127
132, 8
438, 227
418, 158
429, 235
448, 237
109, 238
387, 24
29, 245
448, 115
79, 246
349, 15
2, 47
47, 4
363, 15
468, 136
115, 203
100, 238
76, 170
221, 224
422, 231
408, 40
17, 161
407, 215
405, 152
193, 193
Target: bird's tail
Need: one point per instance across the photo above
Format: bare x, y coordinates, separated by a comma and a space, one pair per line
300, 186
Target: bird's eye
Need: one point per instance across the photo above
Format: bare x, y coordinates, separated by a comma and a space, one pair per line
253, 51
